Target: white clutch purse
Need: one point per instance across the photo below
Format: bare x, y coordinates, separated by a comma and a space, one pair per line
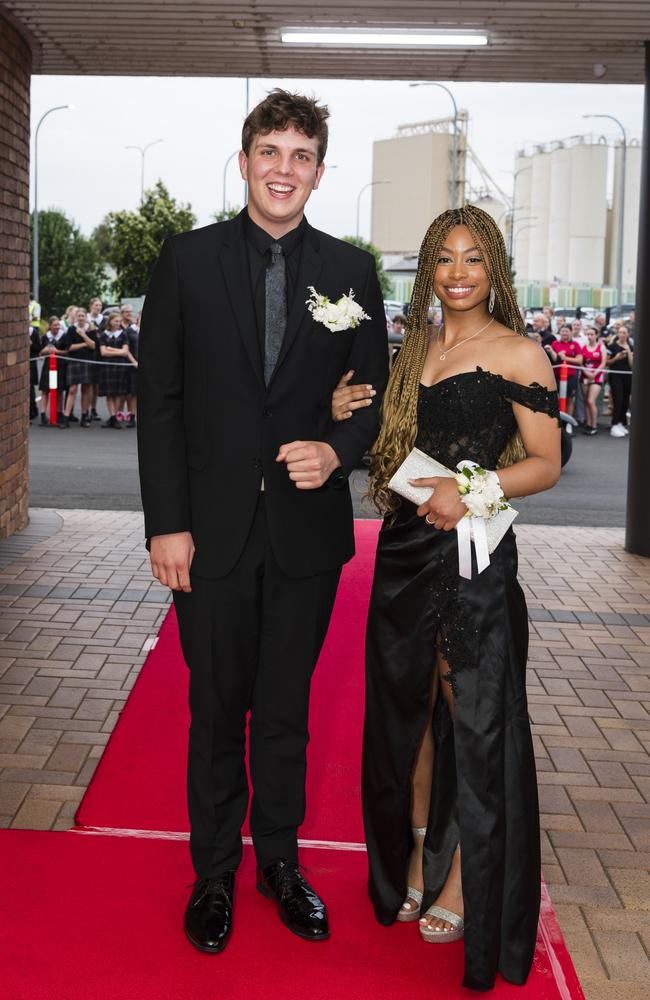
485, 533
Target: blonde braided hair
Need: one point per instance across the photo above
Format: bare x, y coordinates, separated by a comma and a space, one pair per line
399, 410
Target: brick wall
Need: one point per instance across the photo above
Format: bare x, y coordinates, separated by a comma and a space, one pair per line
15, 69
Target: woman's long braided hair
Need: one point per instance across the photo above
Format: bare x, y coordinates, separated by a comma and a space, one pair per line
399, 411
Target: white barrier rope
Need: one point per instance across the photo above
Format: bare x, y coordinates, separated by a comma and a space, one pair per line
82, 361
594, 371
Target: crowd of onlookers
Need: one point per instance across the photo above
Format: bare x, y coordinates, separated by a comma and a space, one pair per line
599, 358
95, 354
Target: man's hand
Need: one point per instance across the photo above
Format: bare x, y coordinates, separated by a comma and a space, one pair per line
309, 463
171, 558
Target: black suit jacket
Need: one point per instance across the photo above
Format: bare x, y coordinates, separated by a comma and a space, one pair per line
209, 428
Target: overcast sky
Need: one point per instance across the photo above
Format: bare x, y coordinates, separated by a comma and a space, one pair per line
85, 170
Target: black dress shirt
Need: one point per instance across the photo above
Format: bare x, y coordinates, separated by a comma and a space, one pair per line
258, 242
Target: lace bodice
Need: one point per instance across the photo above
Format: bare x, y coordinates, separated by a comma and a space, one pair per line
470, 416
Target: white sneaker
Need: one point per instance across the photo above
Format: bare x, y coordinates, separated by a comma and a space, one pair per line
569, 429
618, 431
625, 430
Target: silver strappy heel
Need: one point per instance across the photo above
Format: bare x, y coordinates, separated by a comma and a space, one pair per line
409, 912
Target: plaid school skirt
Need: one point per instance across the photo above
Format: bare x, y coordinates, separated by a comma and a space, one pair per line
114, 378
81, 373
44, 380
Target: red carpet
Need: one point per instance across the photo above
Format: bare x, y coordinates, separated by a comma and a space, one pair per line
98, 918
140, 782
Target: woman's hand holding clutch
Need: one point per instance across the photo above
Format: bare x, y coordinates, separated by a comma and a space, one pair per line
444, 508
346, 398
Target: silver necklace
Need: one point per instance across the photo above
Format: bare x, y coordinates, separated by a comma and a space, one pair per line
459, 344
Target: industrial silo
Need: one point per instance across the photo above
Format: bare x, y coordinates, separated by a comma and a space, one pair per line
539, 211
521, 216
557, 265
587, 219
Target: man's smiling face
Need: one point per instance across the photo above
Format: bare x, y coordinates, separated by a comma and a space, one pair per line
281, 170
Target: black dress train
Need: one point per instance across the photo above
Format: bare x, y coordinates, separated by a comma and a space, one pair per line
484, 793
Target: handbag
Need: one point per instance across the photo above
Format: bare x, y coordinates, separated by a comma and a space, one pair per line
485, 533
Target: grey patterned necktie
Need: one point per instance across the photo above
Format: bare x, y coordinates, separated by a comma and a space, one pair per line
275, 318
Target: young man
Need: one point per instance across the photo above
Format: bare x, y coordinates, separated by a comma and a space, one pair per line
246, 500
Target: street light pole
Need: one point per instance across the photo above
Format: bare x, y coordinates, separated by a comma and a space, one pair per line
621, 220
142, 150
35, 274
365, 188
454, 141
225, 168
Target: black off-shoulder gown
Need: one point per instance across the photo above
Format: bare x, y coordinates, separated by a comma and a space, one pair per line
484, 792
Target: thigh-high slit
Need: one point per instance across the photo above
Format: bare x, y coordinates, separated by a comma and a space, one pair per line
484, 793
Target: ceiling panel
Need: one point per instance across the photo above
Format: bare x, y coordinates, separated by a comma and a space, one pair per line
550, 40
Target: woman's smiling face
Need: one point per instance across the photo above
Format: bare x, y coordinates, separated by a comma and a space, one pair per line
461, 281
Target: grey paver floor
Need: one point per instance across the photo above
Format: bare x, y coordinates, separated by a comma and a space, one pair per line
78, 610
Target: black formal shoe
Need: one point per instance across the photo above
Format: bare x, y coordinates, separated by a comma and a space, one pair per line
208, 917
300, 907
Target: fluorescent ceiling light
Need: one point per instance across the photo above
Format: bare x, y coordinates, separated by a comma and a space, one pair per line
382, 37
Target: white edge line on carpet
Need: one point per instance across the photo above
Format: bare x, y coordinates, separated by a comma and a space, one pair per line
112, 831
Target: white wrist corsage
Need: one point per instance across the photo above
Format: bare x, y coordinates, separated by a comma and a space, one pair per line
480, 490
344, 314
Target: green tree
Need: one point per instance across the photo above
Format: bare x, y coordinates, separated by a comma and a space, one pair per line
384, 280
136, 238
70, 268
102, 237
229, 213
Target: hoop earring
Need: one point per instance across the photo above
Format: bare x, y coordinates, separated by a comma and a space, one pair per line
492, 299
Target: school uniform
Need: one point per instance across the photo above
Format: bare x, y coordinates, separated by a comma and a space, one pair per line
114, 373
133, 334
80, 369
61, 344
35, 346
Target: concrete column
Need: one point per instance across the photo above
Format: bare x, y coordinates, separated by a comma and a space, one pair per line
637, 535
15, 71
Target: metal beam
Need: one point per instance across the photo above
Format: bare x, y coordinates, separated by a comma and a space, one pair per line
637, 534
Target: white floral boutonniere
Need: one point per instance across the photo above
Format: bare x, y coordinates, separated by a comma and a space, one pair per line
344, 314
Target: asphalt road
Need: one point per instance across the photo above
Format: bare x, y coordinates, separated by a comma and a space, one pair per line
97, 469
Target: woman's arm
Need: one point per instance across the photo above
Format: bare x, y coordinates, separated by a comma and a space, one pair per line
347, 398
540, 470
111, 352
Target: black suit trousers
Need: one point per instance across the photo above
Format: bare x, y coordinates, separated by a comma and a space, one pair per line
251, 640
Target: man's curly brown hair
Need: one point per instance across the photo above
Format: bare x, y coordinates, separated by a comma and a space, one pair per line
281, 110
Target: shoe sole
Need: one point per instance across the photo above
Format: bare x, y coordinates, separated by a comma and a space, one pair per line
301, 934
204, 948
441, 937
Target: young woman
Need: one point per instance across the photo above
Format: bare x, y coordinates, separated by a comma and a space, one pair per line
449, 788
81, 340
594, 360
96, 322
569, 350
620, 358
54, 341
114, 376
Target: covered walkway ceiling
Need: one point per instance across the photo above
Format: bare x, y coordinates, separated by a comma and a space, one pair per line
529, 40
